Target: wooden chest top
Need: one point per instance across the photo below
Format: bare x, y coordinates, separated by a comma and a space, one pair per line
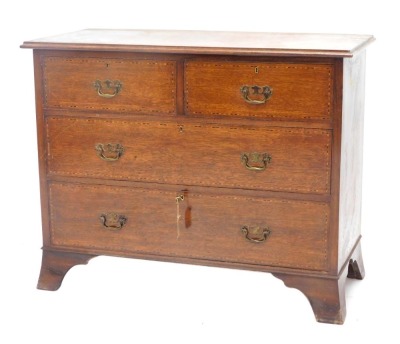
205, 42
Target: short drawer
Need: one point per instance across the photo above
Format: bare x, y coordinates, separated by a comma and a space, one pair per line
126, 85
224, 228
277, 159
252, 89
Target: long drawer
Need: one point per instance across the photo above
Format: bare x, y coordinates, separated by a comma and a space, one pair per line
227, 228
277, 159
124, 85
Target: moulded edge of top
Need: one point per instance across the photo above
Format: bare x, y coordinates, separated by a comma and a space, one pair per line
180, 42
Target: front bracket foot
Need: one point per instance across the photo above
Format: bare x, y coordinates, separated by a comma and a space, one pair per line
55, 265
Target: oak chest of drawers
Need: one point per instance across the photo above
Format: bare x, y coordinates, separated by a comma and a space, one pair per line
239, 150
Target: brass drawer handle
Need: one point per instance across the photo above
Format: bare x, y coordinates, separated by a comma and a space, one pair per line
259, 161
113, 221
264, 91
109, 151
110, 85
256, 234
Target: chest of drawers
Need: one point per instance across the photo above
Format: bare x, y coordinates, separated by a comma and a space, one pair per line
239, 150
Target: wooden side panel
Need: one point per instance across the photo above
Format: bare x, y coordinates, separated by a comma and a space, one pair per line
42, 147
148, 86
351, 155
299, 91
192, 154
209, 226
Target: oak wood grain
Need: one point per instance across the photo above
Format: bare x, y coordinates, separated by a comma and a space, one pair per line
42, 147
194, 154
300, 91
298, 228
326, 296
55, 265
325, 198
148, 86
335, 167
179, 126
261, 122
207, 42
351, 156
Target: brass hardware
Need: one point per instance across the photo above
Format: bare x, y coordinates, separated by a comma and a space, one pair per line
256, 159
256, 234
263, 92
109, 151
113, 221
116, 85
256, 70
178, 199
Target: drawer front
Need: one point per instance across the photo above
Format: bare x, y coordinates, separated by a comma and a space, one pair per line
127, 85
279, 159
299, 91
127, 220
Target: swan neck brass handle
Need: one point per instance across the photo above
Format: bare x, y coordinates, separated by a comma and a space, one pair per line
256, 234
113, 86
113, 221
109, 151
261, 93
256, 161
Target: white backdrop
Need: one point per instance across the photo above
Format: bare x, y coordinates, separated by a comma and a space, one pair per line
115, 300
